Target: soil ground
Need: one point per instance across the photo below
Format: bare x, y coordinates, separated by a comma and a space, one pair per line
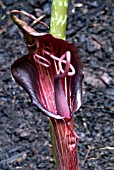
24, 131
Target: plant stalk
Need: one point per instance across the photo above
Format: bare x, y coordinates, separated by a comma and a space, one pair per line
63, 137
59, 18
65, 144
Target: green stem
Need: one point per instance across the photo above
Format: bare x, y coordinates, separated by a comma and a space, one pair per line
59, 18
58, 29
52, 142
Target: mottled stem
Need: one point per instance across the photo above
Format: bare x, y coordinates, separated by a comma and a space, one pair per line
63, 137
59, 18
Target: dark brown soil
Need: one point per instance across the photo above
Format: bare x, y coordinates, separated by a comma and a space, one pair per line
24, 131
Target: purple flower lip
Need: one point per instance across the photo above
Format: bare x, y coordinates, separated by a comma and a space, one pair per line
60, 74
51, 72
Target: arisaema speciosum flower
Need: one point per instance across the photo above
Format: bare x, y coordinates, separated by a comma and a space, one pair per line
51, 73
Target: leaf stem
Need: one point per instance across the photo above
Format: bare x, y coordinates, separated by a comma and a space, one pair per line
59, 18
58, 29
